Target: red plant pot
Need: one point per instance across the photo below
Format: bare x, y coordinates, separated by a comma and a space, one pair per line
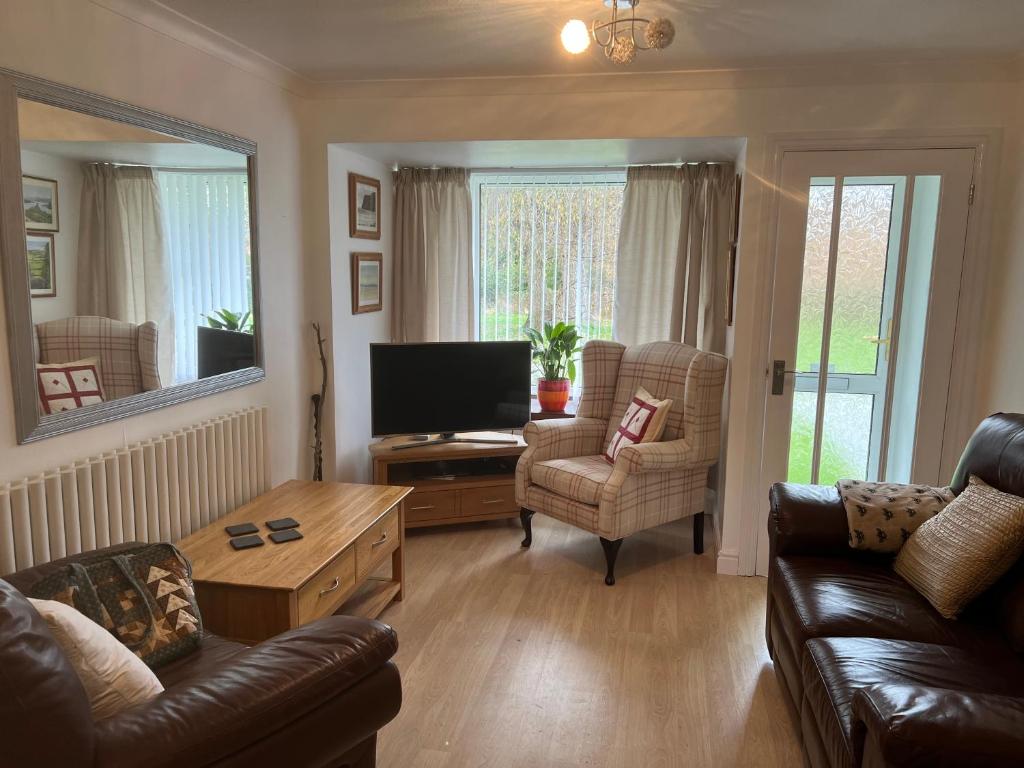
553, 394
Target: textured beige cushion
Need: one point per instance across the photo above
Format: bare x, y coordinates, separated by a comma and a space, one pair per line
114, 678
963, 550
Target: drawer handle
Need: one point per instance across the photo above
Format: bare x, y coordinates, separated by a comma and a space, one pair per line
381, 540
331, 588
492, 501
425, 506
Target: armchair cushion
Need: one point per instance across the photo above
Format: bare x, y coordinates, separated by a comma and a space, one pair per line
643, 422
581, 479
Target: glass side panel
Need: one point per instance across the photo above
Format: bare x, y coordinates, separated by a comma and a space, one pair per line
917, 283
846, 436
864, 223
801, 437
815, 274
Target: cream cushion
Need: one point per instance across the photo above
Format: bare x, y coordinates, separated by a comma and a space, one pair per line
963, 550
643, 422
114, 678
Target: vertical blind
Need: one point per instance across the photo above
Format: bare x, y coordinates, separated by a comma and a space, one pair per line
547, 245
206, 217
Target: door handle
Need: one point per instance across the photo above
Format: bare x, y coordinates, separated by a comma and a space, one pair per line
779, 376
879, 341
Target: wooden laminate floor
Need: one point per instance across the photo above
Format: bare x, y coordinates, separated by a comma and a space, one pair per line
515, 658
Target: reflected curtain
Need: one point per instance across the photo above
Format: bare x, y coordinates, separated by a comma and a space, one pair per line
672, 269
432, 284
122, 257
206, 225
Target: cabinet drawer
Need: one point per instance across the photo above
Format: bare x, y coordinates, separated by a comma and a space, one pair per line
491, 500
429, 505
376, 543
322, 594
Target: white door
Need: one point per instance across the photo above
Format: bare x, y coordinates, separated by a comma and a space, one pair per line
869, 255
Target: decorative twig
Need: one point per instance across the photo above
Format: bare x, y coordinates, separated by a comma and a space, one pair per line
318, 404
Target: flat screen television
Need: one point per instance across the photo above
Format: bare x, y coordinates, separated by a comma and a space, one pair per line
449, 387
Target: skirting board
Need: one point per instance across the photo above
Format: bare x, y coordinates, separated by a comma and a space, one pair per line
728, 562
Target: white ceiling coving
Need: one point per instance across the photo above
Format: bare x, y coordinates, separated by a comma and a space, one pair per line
346, 40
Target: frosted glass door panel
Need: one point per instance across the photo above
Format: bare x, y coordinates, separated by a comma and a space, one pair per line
846, 437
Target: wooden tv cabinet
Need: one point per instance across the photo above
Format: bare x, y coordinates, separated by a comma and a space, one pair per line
453, 482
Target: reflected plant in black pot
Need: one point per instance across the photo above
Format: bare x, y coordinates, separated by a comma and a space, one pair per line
226, 320
226, 343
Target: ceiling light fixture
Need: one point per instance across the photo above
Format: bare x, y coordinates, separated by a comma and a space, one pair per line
621, 36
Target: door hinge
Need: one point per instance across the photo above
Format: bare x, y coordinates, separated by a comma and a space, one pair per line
970, 196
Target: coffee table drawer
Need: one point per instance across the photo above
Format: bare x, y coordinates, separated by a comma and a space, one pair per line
489, 501
376, 543
322, 594
429, 505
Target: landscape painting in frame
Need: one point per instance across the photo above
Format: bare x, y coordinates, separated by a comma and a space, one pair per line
41, 273
363, 207
367, 282
40, 200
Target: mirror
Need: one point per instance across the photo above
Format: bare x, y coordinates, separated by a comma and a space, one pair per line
138, 255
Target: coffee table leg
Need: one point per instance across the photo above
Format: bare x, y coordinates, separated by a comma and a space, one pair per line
398, 556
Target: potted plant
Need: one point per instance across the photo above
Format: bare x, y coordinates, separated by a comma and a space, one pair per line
553, 353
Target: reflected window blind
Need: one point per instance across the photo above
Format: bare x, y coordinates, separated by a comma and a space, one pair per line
206, 217
546, 252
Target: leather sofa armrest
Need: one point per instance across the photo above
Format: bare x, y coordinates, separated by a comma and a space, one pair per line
807, 520
914, 725
255, 693
656, 457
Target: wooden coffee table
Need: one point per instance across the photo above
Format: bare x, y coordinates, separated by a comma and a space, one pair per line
349, 531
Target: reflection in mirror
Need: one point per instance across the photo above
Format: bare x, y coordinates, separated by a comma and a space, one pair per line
139, 257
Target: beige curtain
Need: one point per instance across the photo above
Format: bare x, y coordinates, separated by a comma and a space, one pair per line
432, 283
672, 273
122, 259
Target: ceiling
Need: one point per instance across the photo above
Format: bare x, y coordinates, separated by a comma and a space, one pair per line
549, 154
166, 155
330, 40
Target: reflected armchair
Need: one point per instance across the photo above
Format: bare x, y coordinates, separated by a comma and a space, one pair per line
563, 472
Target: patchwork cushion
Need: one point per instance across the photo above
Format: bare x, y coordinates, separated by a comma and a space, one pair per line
68, 386
144, 596
581, 478
643, 422
957, 555
881, 516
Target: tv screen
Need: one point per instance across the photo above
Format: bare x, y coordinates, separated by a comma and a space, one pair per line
449, 387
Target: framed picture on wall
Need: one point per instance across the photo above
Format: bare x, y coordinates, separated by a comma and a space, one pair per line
367, 282
363, 207
39, 197
42, 273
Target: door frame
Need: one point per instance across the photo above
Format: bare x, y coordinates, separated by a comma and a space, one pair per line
961, 411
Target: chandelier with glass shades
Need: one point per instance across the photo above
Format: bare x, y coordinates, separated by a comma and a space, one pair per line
622, 35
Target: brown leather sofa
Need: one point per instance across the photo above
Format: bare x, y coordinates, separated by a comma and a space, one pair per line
876, 676
313, 696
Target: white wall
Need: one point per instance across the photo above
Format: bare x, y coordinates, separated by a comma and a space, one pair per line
68, 175
95, 49
350, 335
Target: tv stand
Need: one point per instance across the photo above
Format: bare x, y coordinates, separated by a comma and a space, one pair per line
458, 479
450, 437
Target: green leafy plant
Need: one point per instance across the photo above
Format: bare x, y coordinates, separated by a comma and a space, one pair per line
226, 320
554, 350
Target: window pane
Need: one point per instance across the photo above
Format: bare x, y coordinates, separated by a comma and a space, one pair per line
846, 437
815, 276
801, 437
866, 215
547, 254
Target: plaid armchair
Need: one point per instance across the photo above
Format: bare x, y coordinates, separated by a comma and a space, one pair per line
127, 352
563, 472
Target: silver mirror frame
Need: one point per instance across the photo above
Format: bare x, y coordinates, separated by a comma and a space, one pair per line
31, 425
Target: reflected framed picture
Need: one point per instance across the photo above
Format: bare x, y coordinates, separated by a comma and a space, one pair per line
39, 197
367, 282
42, 276
363, 207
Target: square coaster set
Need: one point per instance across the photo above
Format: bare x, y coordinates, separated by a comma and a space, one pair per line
246, 535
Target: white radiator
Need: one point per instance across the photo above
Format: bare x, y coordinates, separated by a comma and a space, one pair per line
157, 490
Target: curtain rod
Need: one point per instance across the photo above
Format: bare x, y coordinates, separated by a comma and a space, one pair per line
171, 168
567, 168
